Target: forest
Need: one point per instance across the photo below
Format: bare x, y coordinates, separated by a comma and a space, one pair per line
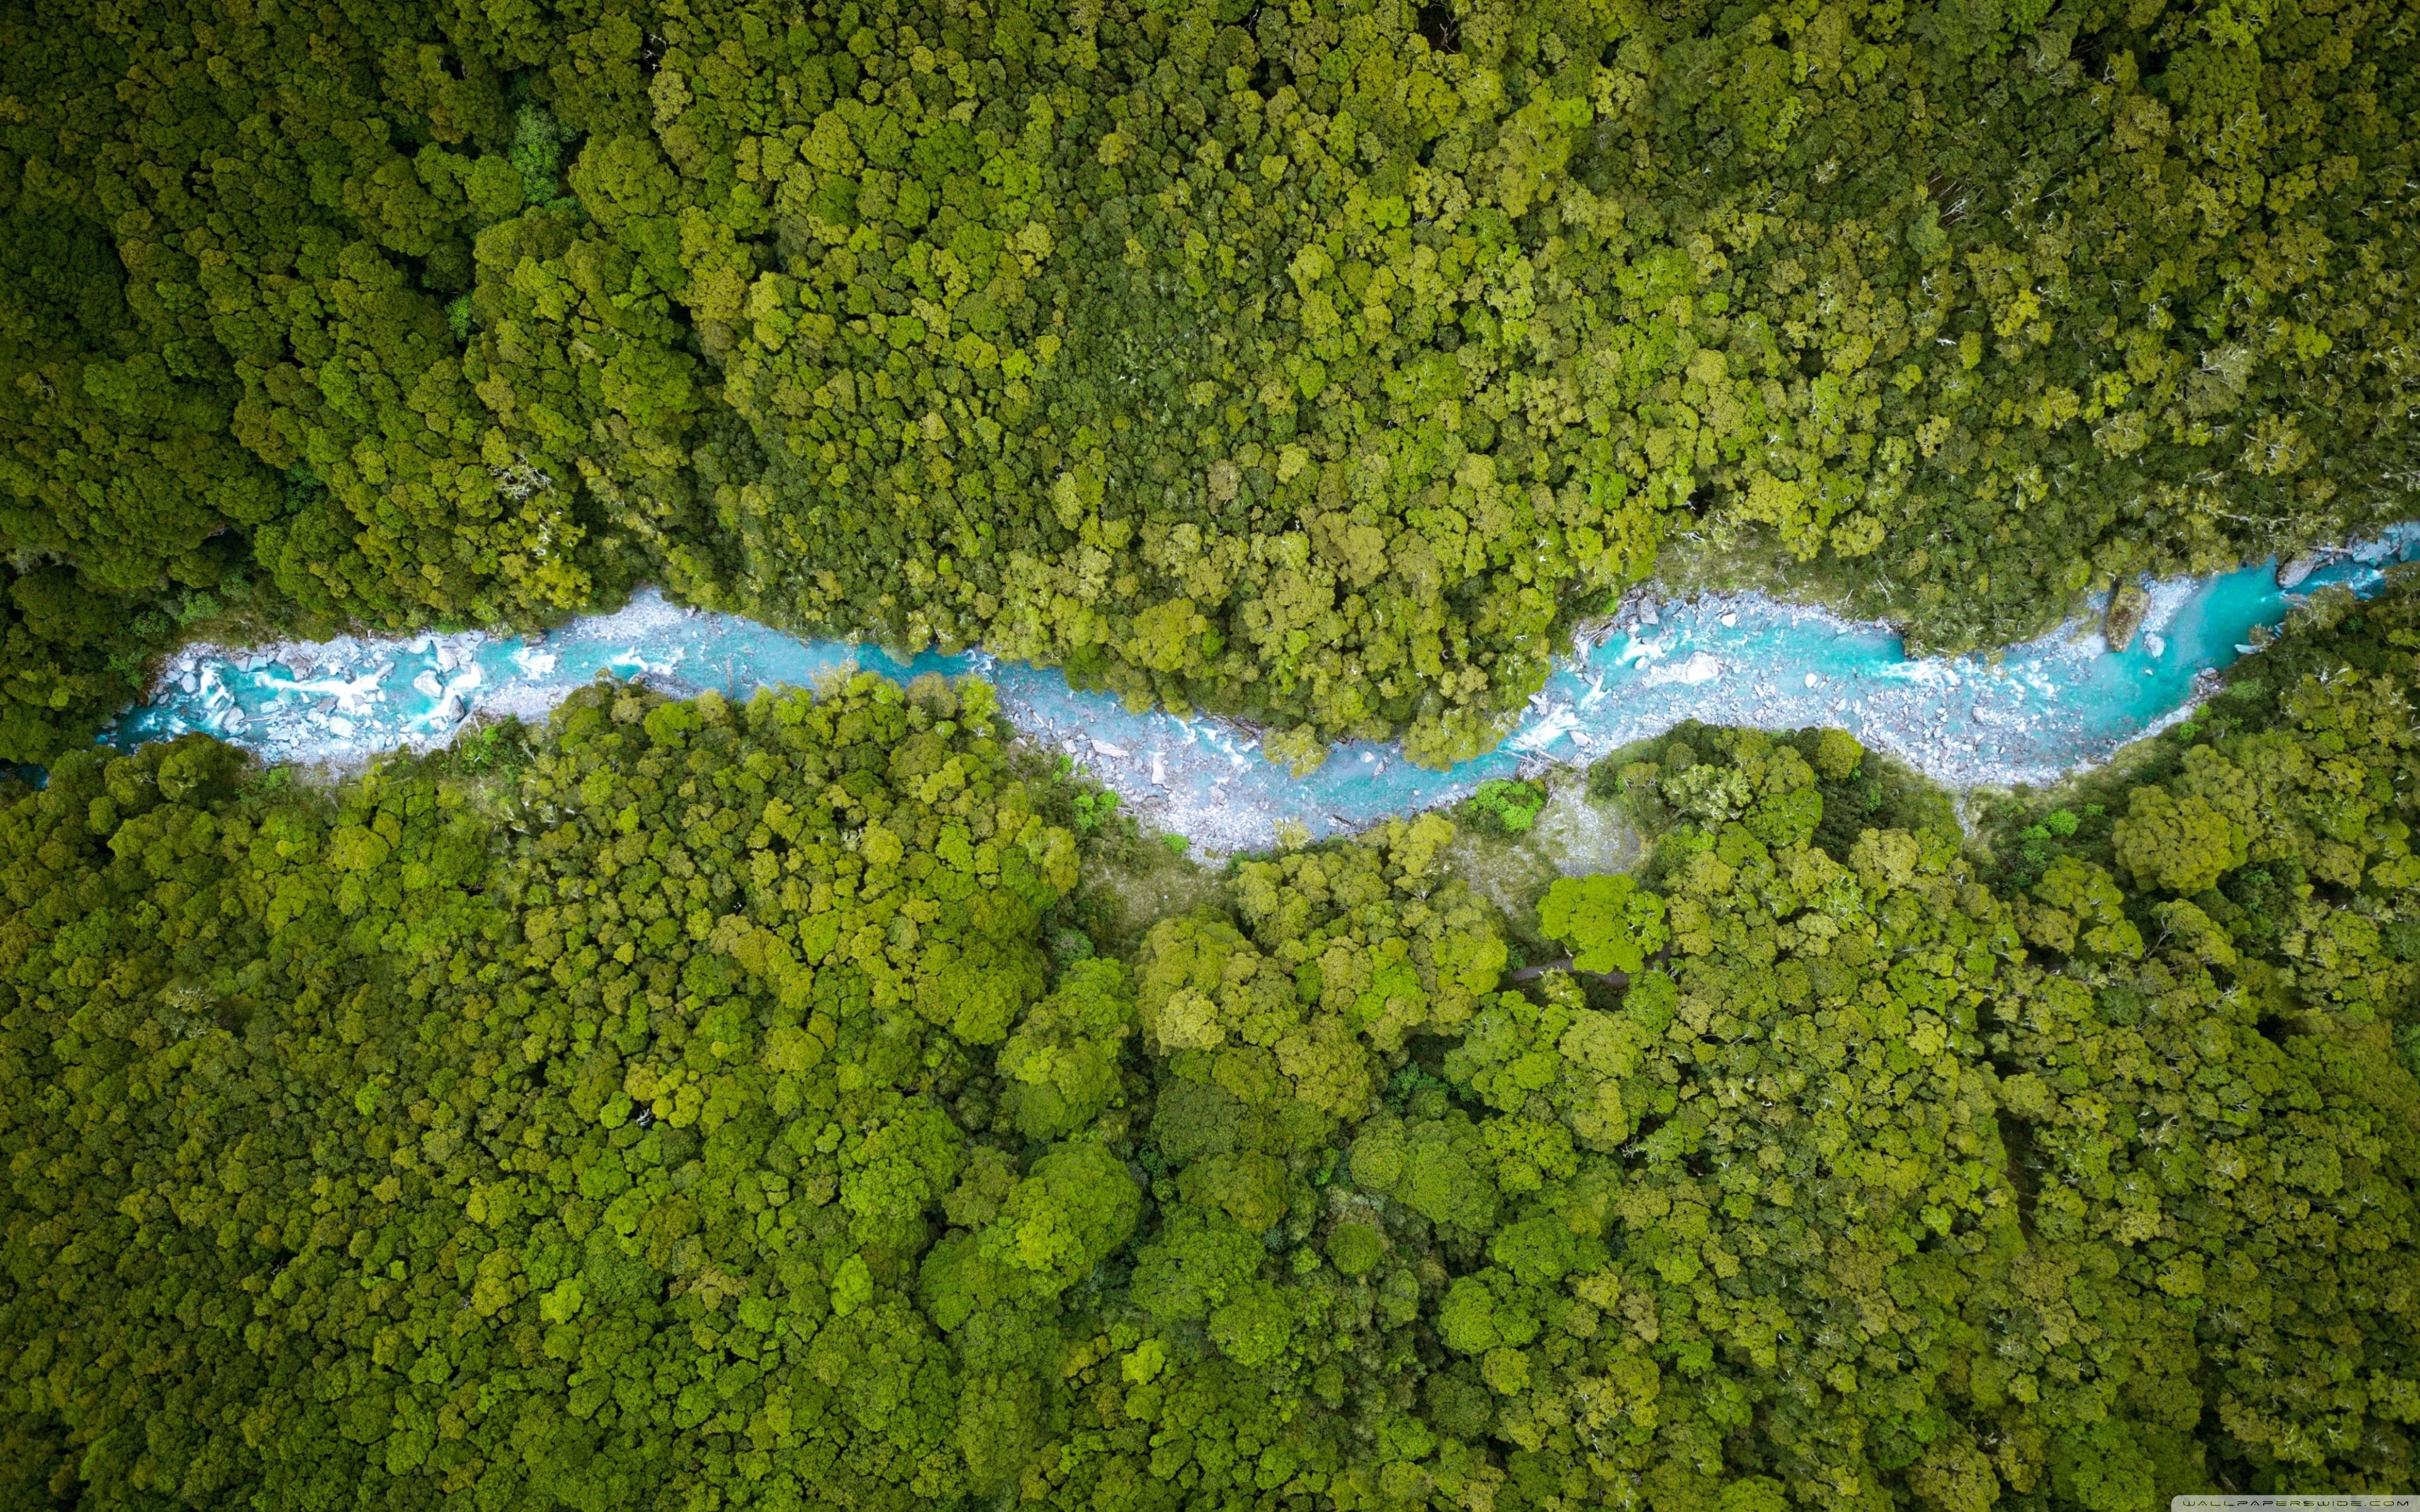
786, 1104
1322, 363
830, 1100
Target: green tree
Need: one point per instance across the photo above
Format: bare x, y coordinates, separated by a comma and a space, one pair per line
1610, 923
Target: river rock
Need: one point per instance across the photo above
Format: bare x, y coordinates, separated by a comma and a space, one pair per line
2291, 572
1699, 669
2127, 606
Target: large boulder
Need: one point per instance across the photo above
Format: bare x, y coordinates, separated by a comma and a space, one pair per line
2127, 606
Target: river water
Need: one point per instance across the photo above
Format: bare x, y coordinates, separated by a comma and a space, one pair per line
2047, 707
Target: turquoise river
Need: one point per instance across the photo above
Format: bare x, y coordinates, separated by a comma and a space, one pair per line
2043, 709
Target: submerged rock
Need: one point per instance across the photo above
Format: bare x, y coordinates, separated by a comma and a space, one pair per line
2127, 606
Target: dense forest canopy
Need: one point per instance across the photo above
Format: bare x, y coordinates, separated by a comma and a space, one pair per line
693, 1106
1320, 363
827, 1101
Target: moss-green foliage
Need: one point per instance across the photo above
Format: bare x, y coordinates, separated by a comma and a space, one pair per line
2286, 978
1317, 362
1059, 1070
679, 1106
1682, 787
230, 241
1501, 806
550, 1136
1608, 922
1819, 785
